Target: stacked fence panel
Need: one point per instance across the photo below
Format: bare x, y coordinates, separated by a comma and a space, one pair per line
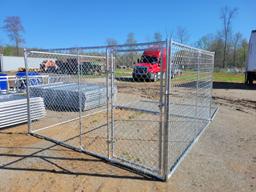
13, 109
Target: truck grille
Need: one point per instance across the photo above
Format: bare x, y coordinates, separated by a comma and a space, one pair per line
140, 70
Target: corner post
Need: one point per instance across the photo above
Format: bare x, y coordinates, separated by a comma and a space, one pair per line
167, 108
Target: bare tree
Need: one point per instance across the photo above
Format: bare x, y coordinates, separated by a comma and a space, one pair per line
205, 42
182, 34
111, 41
168, 34
14, 28
157, 36
244, 47
131, 56
131, 39
227, 16
236, 43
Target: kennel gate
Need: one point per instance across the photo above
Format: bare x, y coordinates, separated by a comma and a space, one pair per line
95, 106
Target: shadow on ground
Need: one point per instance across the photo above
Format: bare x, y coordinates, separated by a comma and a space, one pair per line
229, 85
56, 159
128, 79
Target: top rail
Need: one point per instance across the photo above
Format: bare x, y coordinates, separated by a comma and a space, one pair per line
65, 54
190, 47
103, 46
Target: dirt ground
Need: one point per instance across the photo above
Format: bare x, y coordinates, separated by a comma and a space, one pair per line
224, 158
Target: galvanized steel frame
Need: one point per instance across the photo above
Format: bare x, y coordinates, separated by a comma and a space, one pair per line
164, 103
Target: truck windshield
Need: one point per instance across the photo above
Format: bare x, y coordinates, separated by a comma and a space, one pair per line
148, 59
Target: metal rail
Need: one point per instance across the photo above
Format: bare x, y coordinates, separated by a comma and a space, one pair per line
149, 115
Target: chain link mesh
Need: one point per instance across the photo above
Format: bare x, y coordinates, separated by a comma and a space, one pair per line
74, 97
190, 98
138, 74
124, 103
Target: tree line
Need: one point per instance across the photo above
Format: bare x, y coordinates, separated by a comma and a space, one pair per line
230, 47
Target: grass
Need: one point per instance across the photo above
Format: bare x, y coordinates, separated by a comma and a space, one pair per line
228, 77
186, 76
191, 75
217, 77
123, 72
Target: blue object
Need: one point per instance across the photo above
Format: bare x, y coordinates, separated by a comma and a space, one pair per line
32, 81
3, 82
23, 74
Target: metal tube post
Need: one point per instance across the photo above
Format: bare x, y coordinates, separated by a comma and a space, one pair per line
107, 97
112, 104
197, 87
212, 70
161, 104
80, 99
27, 90
167, 108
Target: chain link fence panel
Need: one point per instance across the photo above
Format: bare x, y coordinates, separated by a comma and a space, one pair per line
140, 105
189, 99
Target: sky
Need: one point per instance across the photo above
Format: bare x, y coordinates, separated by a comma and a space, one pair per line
69, 23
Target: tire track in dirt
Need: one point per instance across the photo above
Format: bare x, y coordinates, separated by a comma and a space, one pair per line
243, 105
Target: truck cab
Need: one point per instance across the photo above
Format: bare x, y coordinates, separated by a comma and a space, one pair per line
148, 67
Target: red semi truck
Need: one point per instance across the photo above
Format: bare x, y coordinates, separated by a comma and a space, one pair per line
148, 66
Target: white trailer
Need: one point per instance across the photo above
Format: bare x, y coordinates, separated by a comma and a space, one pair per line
250, 73
12, 63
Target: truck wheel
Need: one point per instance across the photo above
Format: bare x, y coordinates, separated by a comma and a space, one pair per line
134, 78
250, 78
